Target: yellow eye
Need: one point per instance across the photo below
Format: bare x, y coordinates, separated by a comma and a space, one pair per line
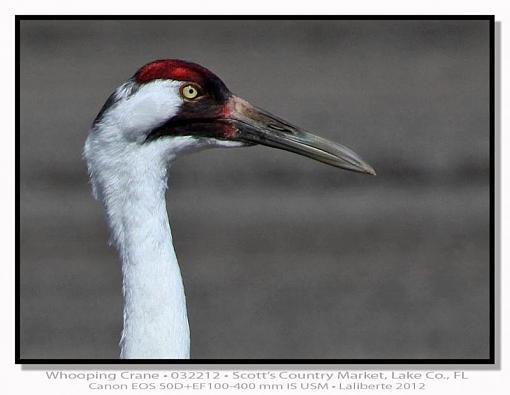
189, 91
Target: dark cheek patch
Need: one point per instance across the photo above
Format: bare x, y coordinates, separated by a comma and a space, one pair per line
201, 119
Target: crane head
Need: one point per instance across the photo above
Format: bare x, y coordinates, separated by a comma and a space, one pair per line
176, 101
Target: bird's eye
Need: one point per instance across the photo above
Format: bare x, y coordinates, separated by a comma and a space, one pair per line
190, 91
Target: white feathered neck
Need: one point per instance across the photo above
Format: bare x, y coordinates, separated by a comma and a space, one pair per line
129, 176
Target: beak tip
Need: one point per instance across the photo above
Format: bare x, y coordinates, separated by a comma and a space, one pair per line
370, 170
365, 168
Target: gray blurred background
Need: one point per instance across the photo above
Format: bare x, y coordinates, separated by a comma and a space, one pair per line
282, 257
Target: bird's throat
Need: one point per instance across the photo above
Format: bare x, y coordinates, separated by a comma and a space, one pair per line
130, 179
155, 318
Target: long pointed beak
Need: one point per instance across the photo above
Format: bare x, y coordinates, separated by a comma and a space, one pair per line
257, 126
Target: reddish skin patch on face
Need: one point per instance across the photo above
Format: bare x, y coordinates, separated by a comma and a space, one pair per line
226, 110
229, 130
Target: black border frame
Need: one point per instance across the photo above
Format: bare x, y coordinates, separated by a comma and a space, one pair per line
415, 361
